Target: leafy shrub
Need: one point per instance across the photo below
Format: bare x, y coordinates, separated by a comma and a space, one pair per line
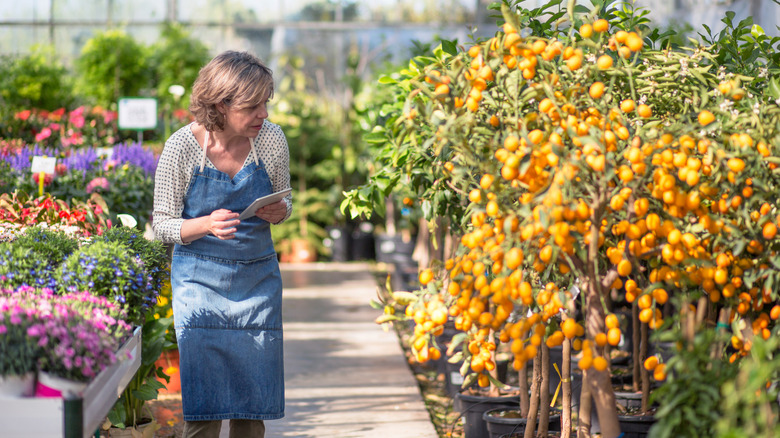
112, 64
33, 258
151, 252
109, 269
34, 80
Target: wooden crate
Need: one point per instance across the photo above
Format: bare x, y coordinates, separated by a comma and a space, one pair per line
72, 418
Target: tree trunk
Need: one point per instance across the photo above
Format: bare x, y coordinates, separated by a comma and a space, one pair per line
525, 399
643, 371
544, 392
635, 343
599, 381
566, 388
586, 407
536, 381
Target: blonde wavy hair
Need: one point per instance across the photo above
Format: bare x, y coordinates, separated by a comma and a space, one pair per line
237, 79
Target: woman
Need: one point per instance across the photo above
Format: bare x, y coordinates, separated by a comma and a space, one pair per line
227, 289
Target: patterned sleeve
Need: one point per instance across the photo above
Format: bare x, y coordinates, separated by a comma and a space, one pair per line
170, 185
273, 150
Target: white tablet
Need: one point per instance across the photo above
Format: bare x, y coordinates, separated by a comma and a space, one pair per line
262, 202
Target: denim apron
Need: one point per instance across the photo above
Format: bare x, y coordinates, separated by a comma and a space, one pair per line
227, 304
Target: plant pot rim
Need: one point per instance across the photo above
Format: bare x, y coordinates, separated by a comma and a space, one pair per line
554, 414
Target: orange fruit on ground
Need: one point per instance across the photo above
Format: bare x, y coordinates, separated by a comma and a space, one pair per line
706, 117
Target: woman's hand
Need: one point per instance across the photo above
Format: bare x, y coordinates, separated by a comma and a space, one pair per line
222, 224
272, 213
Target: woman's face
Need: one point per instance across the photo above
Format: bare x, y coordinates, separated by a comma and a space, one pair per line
246, 122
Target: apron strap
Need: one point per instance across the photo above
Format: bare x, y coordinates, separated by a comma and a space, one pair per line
205, 148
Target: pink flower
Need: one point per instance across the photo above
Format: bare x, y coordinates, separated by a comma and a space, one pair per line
97, 182
43, 135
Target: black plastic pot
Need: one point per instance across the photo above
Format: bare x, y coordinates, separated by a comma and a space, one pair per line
393, 249
472, 407
499, 425
635, 426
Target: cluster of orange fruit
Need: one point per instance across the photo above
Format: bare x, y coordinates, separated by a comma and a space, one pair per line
659, 226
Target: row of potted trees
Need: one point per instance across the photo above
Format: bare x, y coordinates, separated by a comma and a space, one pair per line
596, 185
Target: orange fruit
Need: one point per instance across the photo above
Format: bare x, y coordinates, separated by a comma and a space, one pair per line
660, 296
569, 328
586, 30
644, 111
612, 321
651, 362
601, 25
601, 339
596, 90
426, 276
604, 62
621, 36
613, 336
585, 362
624, 268
769, 231
659, 373
775, 312
706, 117
736, 164
634, 42
627, 105
599, 363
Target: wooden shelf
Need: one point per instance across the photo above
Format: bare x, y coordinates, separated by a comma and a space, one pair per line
72, 418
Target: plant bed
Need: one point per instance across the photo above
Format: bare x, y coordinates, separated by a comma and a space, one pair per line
635, 426
72, 417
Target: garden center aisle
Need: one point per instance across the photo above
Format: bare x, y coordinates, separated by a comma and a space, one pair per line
345, 376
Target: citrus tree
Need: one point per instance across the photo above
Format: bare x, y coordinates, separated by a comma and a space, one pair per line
592, 169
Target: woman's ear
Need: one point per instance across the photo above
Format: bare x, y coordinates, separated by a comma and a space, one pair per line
221, 108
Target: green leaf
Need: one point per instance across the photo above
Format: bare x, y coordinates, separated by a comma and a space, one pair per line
449, 47
386, 79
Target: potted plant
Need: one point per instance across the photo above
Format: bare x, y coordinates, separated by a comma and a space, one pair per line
18, 351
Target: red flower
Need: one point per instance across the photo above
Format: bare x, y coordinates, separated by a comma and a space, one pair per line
64, 215
47, 179
23, 115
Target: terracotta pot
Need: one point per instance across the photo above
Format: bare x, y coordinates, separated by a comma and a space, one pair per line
169, 362
302, 252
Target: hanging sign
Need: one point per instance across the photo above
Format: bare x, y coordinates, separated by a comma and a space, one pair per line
137, 113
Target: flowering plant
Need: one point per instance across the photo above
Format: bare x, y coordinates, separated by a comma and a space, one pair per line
111, 270
82, 125
34, 256
124, 177
88, 217
18, 351
77, 333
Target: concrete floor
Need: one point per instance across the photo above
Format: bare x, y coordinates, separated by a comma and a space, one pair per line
345, 376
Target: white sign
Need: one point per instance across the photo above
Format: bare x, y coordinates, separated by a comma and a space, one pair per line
43, 164
137, 113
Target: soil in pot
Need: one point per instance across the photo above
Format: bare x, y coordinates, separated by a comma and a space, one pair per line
473, 406
503, 421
